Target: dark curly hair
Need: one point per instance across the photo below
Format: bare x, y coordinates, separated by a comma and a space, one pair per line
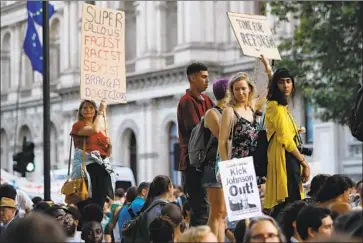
289, 215
334, 186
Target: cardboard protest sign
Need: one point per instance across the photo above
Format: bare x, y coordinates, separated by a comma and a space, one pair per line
240, 188
103, 71
254, 35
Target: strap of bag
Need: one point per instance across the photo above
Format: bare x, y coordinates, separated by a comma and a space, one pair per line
293, 123
83, 156
70, 155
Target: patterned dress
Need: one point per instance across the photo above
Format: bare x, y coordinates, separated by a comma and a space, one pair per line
245, 134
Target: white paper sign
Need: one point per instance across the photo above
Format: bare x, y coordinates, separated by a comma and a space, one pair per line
254, 35
240, 188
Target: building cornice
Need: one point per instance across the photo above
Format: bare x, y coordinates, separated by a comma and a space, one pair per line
12, 7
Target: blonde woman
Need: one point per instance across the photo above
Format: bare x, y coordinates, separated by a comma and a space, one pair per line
198, 234
238, 120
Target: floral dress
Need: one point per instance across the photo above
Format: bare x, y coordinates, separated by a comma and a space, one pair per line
245, 134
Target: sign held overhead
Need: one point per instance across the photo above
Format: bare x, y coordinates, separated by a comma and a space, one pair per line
254, 35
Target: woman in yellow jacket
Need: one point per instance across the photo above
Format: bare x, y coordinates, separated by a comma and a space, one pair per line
287, 168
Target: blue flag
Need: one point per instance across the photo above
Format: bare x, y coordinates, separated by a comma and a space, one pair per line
32, 47
36, 10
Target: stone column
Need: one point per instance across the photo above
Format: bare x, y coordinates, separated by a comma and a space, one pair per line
209, 15
15, 54
181, 17
140, 8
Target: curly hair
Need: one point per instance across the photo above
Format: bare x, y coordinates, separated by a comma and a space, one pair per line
231, 100
333, 187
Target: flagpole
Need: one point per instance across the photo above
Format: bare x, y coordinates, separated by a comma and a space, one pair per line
46, 102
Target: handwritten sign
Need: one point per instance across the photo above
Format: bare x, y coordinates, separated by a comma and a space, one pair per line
240, 188
103, 72
254, 35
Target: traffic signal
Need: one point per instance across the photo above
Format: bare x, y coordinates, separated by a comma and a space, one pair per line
25, 159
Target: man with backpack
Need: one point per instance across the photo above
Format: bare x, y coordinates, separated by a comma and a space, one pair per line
192, 106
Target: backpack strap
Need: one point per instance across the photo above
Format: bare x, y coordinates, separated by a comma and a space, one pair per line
131, 212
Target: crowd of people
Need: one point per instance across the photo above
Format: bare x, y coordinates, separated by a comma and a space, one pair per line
159, 211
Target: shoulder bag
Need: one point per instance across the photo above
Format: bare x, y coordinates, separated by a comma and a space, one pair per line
76, 190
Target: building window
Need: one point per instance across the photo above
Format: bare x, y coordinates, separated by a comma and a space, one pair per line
5, 64
173, 154
54, 53
309, 122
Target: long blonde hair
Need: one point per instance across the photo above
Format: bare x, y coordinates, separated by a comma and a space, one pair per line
231, 100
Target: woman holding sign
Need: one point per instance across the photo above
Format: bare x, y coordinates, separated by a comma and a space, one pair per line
287, 167
90, 136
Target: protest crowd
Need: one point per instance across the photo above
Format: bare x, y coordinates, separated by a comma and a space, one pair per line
245, 177
329, 210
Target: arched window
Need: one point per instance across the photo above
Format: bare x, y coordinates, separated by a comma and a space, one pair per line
173, 143
24, 132
4, 150
171, 25
5, 64
133, 154
26, 71
54, 51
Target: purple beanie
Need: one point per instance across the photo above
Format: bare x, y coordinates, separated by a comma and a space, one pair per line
220, 87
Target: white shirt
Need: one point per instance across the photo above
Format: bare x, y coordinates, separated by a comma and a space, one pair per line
23, 202
75, 238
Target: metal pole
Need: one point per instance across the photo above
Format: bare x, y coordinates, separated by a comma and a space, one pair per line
46, 102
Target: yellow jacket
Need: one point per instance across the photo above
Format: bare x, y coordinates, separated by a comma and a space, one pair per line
279, 124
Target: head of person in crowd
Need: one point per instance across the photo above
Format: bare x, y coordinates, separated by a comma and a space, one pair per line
92, 212
178, 190
35, 200
282, 86
197, 74
350, 224
313, 221
92, 232
71, 220
143, 189
131, 194
7, 209
33, 229
359, 186
336, 188
240, 90
263, 229
119, 195
316, 184
198, 234
56, 211
220, 88
87, 109
239, 231
7, 190
287, 219
160, 187
175, 214
336, 238
41, 207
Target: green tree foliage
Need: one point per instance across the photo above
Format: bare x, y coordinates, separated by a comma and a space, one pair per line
325, 53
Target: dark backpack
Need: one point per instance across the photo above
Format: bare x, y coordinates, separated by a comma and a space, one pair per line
197, 148
356, 116
137, 230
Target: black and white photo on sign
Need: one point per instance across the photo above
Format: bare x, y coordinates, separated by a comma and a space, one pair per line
254, 35
240, 188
